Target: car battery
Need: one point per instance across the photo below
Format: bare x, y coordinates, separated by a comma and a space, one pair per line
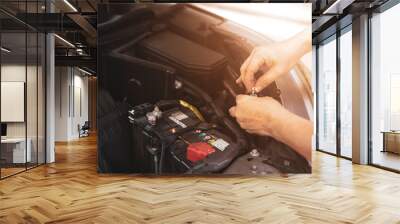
149, 136
198, 151
203, 149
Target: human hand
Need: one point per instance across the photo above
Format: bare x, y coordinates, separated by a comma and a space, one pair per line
258, 115
266, 116
273, 60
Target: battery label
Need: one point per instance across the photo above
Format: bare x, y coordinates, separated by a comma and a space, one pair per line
220, 144
178, 122
179, 115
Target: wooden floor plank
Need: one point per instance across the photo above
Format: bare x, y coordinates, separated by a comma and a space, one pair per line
71, 191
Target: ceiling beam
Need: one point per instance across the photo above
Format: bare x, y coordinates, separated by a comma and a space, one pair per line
86, 26
321, 22
78, 61
338, 6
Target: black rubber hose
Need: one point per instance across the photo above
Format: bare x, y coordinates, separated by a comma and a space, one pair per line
240, 138
160, 167
161, 161
165, 143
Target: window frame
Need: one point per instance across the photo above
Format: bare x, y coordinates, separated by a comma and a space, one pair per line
334, 37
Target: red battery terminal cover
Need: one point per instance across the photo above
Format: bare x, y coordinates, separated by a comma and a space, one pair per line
198, 151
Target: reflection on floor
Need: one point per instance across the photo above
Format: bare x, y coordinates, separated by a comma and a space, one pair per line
387, 159
10, 170
346, 152
71, 191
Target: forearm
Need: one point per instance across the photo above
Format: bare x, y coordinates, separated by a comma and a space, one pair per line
299, 44
295, 132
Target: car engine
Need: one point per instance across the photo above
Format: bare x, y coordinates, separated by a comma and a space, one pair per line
167, 82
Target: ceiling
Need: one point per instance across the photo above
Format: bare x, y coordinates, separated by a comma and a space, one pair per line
76, 20
82, 14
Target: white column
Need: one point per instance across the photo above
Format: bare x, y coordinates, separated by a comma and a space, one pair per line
360, 90
50, 99
50, 92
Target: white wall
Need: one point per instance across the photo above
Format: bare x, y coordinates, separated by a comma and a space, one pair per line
81, 104
61, 103
33, 127
71, 94
12, 73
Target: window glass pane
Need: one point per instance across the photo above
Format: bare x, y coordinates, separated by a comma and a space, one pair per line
31, 97
386, 89
14, 153
41, 98
327, 96
346, 94
32, 88
23, 88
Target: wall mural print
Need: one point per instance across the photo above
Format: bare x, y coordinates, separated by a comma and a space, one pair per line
204, 89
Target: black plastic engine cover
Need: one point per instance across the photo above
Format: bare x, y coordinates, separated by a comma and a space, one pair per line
181, 53
191, 60
193, 23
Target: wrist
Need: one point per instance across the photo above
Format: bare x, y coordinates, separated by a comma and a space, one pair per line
296, 132
276, 125
299, 45
281, 125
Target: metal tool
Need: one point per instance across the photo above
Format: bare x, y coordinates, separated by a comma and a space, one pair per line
253, 92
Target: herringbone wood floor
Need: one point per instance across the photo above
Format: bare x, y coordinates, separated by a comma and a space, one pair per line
70, 191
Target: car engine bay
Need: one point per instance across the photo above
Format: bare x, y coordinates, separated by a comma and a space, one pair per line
166, 84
